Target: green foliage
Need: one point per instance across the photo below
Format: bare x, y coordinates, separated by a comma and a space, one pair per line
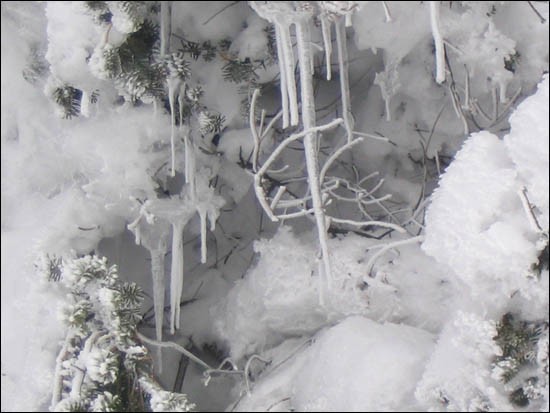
100, 11
522, 343
49, 267
104, 359
68, 100
238, 71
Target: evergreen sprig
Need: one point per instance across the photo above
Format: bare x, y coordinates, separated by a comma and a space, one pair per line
104, 359
68, 99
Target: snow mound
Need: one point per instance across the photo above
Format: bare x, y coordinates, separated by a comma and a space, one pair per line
476, 223
352, 366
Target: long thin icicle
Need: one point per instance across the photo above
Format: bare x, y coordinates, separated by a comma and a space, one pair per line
327, 41
171, 99
344, 77
165, 26
176, 277
286, 45
310, 140
202, 216
438, 39
283, 74
157, 268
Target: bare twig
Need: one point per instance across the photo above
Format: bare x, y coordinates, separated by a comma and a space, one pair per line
219, 12
542, 19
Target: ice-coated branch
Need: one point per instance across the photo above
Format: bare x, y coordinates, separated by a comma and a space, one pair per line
438, 39
310, 140
335, 155
388, 246
365, 223
175, 346
58, 377
529, 211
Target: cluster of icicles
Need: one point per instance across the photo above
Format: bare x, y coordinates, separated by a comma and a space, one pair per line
152, 226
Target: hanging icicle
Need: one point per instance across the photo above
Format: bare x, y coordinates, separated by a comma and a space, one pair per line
438, 39
176, 275
171, 100
343, 66
152, 233
326, 26
165, 26
283, 74
280, 15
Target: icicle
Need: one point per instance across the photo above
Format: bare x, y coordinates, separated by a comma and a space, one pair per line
503, 87
466, 105
176, 277
282, 70
344, 77
326, 27
286, 45
310, 140
85, 104
348, 19
157, 269
165, 26
387, 12
438, 39
171, 98
202, 215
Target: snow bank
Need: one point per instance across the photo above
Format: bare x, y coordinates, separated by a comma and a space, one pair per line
352, 366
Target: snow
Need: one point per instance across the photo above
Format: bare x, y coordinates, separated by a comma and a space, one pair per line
405, 322
476, 223
349, 367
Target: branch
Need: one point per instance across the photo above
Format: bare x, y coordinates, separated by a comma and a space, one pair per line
175, 346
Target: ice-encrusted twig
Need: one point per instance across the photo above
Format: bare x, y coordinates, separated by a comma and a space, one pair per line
175, 346
58, 376
258, 177
388, 246
310, 140
438, 39
366, 223
335, 155
529, 211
